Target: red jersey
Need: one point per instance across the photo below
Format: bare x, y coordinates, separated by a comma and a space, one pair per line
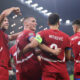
54, 39
13, 52
4, 51
29, 62
22, 41
75, 44
7, 39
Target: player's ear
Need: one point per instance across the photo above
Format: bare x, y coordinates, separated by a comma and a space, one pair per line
76, 28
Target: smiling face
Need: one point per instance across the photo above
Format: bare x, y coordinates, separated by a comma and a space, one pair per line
5, 23
30, 23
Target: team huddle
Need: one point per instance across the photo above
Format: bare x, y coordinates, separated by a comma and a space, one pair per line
42, 55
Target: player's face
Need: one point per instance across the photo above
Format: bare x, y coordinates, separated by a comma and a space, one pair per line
74, 28
32, 23
5, 23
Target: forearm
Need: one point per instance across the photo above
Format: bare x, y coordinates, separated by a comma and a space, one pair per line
47, 49
26, 49
7, 12
68, 54
14, 36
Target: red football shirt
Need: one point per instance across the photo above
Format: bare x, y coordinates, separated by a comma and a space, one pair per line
23, 40
54, 39
13, 52
4, 51
29, 62
75, 44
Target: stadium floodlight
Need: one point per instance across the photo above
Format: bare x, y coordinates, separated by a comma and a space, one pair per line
14, 24
11, 32
60, 20
44, 11
40, 27
47, 14
68, 22
45, 28
15, 16
21, 20
39, 8
22, 1
34, 5
28, 2
20, 27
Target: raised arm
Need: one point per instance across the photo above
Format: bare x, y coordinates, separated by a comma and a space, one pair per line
8, 11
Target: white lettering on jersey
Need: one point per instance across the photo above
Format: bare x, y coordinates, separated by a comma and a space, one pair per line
56, 37
75, 38
1, 48
78, 42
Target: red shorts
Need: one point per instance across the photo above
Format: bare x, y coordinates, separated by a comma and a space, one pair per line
55, 76
17, 76
4, 75
26, 71
18, 71
77, 70
76, 74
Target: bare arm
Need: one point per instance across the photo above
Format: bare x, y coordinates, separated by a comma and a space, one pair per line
13, 36
1, 18
35, 43
68, 54
50, 50
8, 11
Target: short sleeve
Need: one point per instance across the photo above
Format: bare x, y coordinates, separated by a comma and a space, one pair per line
67, 43
31, 35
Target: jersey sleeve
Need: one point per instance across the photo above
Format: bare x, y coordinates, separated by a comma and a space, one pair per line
67, 43
30, 35
71, 41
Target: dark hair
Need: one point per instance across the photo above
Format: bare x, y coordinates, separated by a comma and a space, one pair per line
77, 22
53, 19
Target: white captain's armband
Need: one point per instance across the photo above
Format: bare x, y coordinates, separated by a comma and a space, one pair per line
38, 38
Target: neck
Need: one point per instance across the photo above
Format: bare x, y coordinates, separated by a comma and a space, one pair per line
54, 27
2, 29
26, 28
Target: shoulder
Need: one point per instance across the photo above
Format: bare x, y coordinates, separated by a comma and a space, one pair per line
74, 37
29, 32
43, 31
64, 34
